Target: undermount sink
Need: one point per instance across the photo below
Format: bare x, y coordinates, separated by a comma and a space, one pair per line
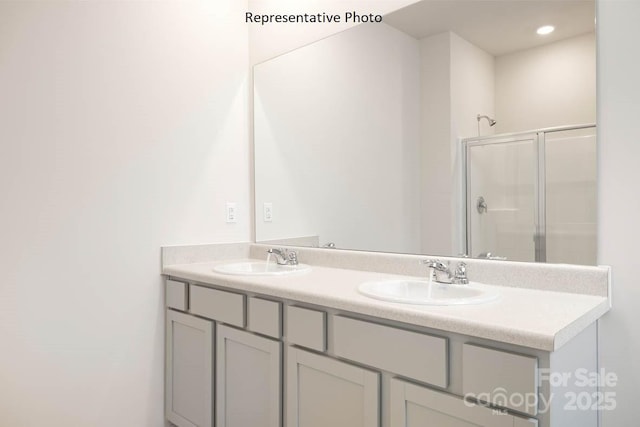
425, 293
260, 268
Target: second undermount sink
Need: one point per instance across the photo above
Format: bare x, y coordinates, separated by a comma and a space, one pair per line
424, 292
260, 268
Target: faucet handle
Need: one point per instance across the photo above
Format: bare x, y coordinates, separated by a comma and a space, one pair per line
292, 257
436, 264
460, 274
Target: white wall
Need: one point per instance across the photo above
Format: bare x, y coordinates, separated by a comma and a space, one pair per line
619, 201
452, 96
472, 88
472, 93
337, 141
124, 127
551, 85
435, 134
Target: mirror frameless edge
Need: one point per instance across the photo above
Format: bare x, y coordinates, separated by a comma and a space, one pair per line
339, 163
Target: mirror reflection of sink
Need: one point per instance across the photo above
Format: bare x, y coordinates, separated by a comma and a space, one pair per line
260, 268
421, 292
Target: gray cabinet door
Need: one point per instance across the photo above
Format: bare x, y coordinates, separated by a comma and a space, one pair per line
415, 406
324, 392
248, 386
189, 370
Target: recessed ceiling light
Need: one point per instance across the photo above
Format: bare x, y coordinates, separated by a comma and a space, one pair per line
547, 29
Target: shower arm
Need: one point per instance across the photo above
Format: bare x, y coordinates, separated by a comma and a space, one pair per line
491, 121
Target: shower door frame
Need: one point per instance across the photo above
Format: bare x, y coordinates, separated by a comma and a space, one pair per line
539, 140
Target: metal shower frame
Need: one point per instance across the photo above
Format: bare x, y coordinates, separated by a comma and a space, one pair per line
538, 136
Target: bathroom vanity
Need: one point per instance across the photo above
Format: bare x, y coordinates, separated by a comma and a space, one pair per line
308, 350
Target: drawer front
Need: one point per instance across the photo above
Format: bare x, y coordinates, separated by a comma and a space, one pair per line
504, 379
307, 328
264, 317
227, 307
411, 354
176, 295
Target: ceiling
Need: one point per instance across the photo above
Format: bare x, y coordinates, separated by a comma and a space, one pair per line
496, 26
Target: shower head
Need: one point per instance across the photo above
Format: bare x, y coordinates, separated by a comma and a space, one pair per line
491, 121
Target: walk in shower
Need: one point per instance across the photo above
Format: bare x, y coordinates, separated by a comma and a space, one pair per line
531, 196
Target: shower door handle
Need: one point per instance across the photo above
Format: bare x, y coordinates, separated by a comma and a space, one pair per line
481, 205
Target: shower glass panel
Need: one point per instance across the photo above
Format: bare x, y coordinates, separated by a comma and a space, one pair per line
570, 176
501, 197
532, 196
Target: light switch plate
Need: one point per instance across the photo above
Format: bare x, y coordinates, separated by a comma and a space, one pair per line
232, 212
268, 212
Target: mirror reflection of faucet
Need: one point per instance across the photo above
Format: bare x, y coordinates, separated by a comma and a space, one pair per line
489, 255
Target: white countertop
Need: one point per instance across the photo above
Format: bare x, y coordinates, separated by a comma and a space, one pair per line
538, 319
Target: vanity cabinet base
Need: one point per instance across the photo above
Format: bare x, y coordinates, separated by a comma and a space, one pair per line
341, 369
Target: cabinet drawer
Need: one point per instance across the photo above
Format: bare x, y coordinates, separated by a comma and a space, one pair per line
176, 295
306, 328
411, 354
264, 317
227, 307
504, 379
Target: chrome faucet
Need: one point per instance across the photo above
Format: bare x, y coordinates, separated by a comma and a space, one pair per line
443, 274
284, 256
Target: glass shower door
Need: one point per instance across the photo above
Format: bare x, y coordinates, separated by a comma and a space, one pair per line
570, 202
502, 187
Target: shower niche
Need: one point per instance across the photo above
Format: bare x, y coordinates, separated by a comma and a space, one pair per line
531, 196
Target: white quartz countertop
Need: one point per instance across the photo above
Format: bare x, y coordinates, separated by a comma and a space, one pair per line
538, 319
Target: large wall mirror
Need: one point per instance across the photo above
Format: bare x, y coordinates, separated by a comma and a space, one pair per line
451, 128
